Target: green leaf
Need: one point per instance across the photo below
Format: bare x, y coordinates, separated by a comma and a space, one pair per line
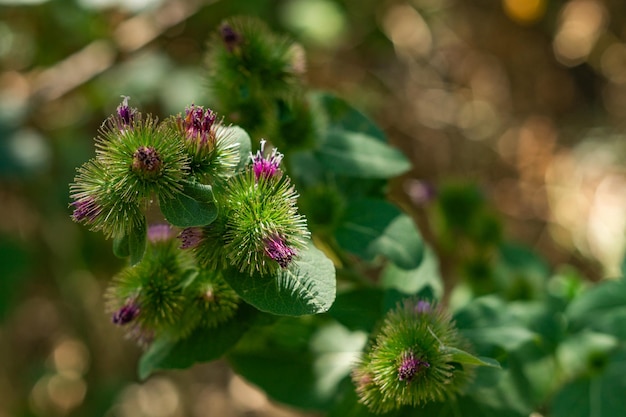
203, 345
137, 243
307, 286
413, 281
602, 307
358, 309
131, 245
238, 135
194, 206
595, 395
376, 227
343, 116
306, 374
465, 358
359, 155
120, 246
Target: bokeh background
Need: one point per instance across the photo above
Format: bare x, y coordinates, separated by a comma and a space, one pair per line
524, 98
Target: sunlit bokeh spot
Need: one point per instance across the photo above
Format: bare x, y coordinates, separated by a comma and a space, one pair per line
320, 22
408, 31
524, 11
580, 25
613, 63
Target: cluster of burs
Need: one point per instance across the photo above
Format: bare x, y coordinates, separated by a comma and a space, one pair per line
187, 202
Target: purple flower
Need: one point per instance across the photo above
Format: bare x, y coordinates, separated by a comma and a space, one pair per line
422, 307
266, 167
197, 124
126, 114
146, 161
409, 366
230, 38
159, 233
276, 249
85, 209
126, 314
420, 192
190, 237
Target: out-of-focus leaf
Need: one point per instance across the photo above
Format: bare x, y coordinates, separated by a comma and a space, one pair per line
602, 307
355, 154
594, 395
203, 345
413, 281
376, 227
359, 309
328, 356
131, 245
307, 286
341, 115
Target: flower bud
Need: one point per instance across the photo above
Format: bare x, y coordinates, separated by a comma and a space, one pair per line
127, 313
266, 167
410, 363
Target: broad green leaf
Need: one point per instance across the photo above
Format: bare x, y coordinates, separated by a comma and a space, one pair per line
413, 281
307, 286
586, 352
340, 115
137, 243
376, 227
594, 395
305, 375
237, 135
359, 309
194, 206
465, 358
489, 321
120, 246
401, 243
600, 307
507, 337
203, 345
359, 155
131, 245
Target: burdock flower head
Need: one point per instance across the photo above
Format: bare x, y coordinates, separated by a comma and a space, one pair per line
259, 229
136, 160
411, 360
212, 150
143, 158
149, 298
266, 166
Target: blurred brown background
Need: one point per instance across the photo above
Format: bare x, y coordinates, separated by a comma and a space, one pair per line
523, 97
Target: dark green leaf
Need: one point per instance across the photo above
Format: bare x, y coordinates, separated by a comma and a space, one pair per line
600, 306
358, 309
340, 115
305, 379
203, 345
465, 358
120, 246
137, 243
413, 281
595, 395
194, 206
358, 155
131, 245
376, 227
307, 286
